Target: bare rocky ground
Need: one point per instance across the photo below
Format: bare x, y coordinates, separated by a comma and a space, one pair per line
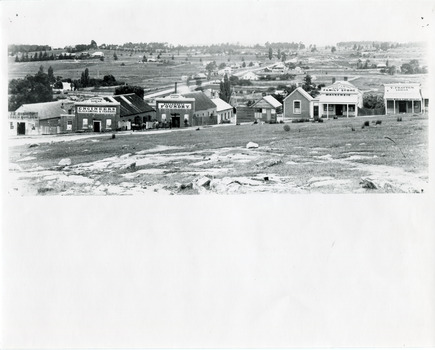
174, 169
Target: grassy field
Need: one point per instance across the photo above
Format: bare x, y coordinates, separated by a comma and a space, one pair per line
329, 157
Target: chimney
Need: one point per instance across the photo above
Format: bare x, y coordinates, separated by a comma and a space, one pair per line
333, 80
175, 87
345, 78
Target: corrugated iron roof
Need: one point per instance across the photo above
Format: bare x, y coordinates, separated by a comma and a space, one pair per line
47, 109
131, 104
202, 102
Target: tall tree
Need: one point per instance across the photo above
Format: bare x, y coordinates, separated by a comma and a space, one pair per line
225, 89
32, 89
51, 77
270, 53
84, 80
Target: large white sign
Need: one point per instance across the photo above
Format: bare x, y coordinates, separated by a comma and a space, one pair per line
96, 110
175, 105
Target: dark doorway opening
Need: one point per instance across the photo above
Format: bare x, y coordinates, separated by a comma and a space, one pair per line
21, 128
316, 111
339, 110
175, 120
97, 126
402, 106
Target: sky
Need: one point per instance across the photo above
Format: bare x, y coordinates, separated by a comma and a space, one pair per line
321, 22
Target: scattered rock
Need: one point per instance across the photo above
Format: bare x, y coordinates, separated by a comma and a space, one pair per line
367, 183
266, 178
65, 161
252, 145
273, 162
34, 145
129, 166
188, 186
203, 181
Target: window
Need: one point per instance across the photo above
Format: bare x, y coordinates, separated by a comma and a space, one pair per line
69, 125
12, 125
390, 104
330, 107
351, 108
296, 107
108, 123
263, 110
272, 111
186, 117
163, 116
85, 123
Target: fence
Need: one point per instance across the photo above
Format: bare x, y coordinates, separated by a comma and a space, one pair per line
370, 111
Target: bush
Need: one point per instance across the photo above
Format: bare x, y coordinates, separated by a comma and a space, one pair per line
320, 120
399, 119
286, 127
378, 122
366, 123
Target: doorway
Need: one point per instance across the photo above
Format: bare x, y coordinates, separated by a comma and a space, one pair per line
316, 111
402, 106
175, 122
338, 110
21, 128
97, 125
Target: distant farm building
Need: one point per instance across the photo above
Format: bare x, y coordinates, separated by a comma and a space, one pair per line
404, 98
341, 99
249, 76
267, 109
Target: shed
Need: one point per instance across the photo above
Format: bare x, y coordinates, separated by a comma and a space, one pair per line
267, 109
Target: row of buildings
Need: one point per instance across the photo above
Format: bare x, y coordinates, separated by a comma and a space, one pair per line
129, 111
117, 113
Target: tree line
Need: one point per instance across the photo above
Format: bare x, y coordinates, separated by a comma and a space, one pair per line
38, 88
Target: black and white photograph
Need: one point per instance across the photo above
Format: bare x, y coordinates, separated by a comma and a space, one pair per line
230, 98
217, 174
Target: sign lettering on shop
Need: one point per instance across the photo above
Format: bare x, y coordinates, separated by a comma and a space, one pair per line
97, 110
174, 105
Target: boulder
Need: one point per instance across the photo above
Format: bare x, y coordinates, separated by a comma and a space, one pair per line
203, 181
252, 145
65, 161
367, 183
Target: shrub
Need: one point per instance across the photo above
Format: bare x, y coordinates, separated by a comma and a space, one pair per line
286, 127
399, 119
378, 122
320, 120
366, 123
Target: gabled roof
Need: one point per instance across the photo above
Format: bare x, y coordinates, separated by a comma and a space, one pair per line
202, 102
302, 92
46, 110
221, 105
130, 104
272, 101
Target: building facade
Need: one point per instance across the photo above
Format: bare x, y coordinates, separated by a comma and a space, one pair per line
224, 111
176, 110
341, 99
97, 115
267, 109
403, 98
298, 105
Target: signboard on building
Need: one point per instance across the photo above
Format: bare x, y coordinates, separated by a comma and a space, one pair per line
174, 105
96, 110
